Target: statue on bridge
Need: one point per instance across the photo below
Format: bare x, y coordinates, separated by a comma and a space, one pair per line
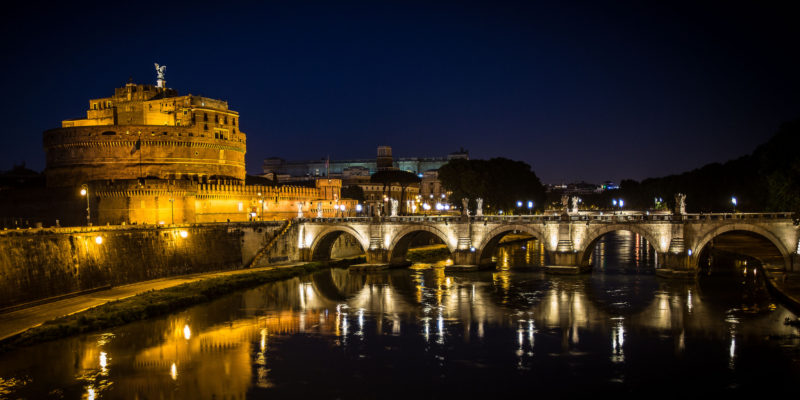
465, 207
479, 207
299, 210
680, 204
564, 204
319, 209
574, 204
395, 204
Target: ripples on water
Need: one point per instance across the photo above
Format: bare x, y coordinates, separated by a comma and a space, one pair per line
421, 332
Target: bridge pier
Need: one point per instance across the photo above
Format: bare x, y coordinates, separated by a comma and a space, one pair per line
563, 263
464, 260
675, 265
304, 254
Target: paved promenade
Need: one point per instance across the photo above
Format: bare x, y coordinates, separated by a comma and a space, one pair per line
15, 322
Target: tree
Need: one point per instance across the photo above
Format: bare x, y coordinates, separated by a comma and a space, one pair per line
353, 192
403, 178
500, 182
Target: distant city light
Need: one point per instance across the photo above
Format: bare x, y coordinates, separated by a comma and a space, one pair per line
98, 239
359, 207
733, 200
184, 234
519, 203
530, 204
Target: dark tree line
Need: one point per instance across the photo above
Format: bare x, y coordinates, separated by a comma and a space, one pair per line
766, 180
500, 182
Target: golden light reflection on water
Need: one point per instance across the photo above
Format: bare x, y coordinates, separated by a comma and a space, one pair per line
230, 340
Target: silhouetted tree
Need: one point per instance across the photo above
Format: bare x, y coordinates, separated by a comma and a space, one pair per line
499, 181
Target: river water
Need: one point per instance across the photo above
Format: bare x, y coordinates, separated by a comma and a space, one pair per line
423, 333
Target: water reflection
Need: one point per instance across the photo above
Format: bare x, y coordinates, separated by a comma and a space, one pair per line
342, 334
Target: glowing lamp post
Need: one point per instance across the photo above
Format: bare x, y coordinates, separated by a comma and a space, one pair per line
261, 201
519, 206
530, 206
85, 192
734, 202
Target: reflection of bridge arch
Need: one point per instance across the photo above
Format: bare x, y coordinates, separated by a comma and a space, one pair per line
485, 250
701, 244
592, 236
323, 242
337, 284
402, 240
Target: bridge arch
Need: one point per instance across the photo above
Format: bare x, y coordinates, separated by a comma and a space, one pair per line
766, 234
402, 239
323, 242
486, 248
593, 235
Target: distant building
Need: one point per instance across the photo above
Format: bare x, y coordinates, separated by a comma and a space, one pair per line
298, 170
574, 189
359, 171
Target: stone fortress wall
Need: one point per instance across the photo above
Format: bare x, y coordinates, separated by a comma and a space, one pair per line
149, 156
81, 154
47, 262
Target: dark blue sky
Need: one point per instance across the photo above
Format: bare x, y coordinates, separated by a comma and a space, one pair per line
580, 91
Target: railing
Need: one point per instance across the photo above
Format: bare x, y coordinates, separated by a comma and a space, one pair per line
543, 218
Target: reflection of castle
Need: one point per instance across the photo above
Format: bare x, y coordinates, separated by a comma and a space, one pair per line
149, 155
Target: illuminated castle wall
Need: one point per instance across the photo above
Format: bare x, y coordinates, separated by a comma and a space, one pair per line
145, 131
151, 156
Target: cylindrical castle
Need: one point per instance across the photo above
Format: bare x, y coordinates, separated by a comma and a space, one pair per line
145, 131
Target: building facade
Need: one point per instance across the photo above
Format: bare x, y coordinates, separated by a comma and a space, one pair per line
147, 155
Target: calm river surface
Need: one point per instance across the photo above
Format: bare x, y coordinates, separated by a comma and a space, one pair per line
424, 333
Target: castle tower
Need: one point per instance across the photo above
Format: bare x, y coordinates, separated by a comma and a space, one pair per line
147, 131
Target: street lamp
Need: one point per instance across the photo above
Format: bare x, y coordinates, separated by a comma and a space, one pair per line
85, 192
734, 202
530, 206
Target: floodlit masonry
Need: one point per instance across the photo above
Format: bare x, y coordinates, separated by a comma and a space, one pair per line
568, 239
147, 131
147, 155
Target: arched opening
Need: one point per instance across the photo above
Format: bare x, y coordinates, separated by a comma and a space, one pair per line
621, 251
420, 248
513, 249
732, 266
336, 244
724, 254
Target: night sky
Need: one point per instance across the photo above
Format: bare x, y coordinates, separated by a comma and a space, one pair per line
589, 91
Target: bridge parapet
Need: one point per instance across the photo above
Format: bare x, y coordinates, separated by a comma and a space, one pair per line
567, 238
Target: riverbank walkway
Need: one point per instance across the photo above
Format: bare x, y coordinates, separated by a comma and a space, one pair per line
17, 321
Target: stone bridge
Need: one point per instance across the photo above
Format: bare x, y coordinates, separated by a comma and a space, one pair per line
568, 239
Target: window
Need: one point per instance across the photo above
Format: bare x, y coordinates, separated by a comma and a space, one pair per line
234, 122
216, 118
205, 117
205, 127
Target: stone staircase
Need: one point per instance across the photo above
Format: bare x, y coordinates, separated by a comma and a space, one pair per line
270, 244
